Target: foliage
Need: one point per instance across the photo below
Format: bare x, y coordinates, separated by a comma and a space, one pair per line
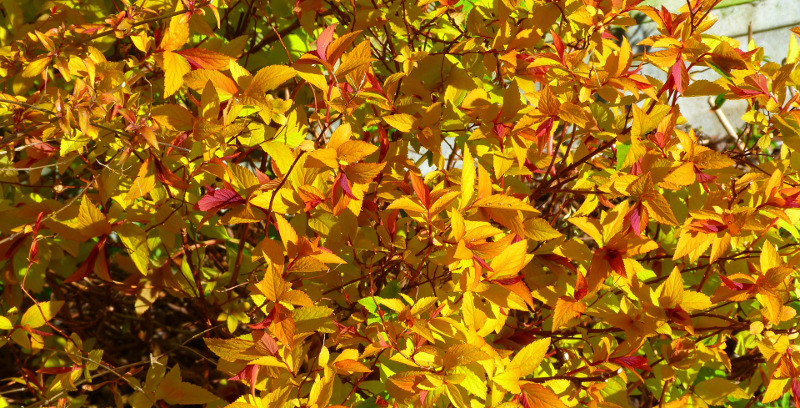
391, 202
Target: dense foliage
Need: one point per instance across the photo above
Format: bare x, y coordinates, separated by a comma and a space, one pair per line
370, 203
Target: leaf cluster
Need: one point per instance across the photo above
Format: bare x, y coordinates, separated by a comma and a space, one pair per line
473, 203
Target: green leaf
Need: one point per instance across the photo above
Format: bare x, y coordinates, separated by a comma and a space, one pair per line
622, 152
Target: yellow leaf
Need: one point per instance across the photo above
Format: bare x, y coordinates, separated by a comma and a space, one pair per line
176, 392
172, 116
297, 297
672, 290
269, 78
769, 257
509, 379
660, 209
566, 309
323, 158
776, 388
504, 202
363, 173
538, 229
38, 315
229, 349
272, 286
702, 87
36, 67
337, 47
352, 151
423, 304
401, 121
5, 323
175, 67
711, 159
715, 391
394, 304
442, 202
91, 220
322, 389
467, 178
205, 58
455, 396
176, 35
406, 204
510, 261
529, 358
351, 366
287, 233
463, 354
693, 301
135, 240
590, 226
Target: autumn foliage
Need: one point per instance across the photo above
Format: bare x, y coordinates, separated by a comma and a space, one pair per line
474, 203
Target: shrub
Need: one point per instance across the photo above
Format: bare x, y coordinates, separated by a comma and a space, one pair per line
391, 203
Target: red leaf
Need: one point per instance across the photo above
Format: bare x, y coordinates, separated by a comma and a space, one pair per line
666, 17
264, 323
88, 265
635, 218
262, 178
732, 285
384, 143
34, 251
616, 262
581, 287
391, 222
632, 362
558, 44
218, 199
759, 81
509, 281
744, 93
167, 177
375, 83
58, 370
501, 130
608, 36
420, 189
344, 183
268, 342
796, 392
544, 137
177, 142
324, 40
677, 76
482, 263
708, 226
250, 374
704, 177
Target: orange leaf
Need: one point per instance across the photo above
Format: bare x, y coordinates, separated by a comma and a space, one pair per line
205, 59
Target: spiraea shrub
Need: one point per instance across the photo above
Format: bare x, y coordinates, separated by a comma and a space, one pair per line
393, 203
